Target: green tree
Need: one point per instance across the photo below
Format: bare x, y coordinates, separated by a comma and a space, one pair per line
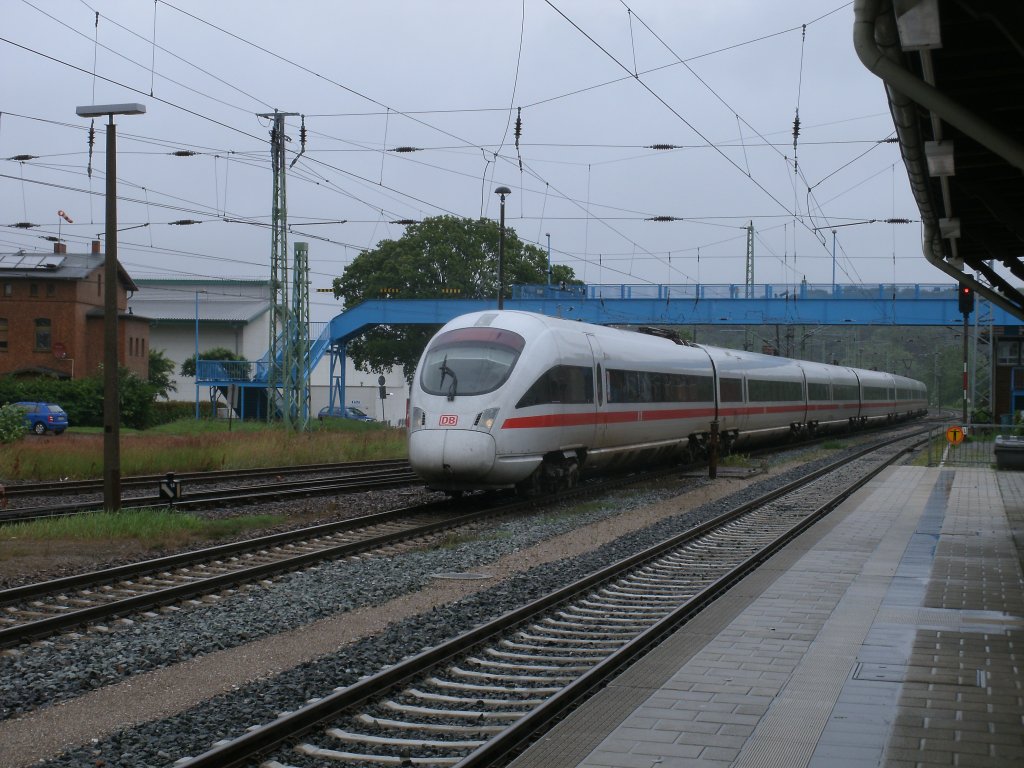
161, 368
440, 257
12, 424
188, 365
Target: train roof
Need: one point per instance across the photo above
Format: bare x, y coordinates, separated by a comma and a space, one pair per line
529, 322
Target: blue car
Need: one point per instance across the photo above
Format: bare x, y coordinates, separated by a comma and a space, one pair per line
349, 412
44, 417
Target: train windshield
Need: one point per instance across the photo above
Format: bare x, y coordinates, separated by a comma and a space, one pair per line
470, 361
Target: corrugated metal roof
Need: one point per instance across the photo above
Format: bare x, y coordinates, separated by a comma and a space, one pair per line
190, 282
223, 308
177, 299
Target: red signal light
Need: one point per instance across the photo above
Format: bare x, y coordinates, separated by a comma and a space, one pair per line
966, 299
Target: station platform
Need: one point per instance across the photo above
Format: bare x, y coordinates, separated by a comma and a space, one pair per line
891, 634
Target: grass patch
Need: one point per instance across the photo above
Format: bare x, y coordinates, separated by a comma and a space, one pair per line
455, 539
191, 446
156, 528
833, 445
736, 460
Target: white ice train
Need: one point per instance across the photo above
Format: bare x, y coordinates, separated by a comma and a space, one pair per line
505, 399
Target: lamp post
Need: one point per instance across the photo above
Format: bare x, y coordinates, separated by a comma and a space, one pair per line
833, 262
548, 236
197, 353
111, 406
501, 192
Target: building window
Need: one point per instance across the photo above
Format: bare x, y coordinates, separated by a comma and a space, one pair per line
3, 334
33, 289
1007, 353
8, 289
51, 290
43, 335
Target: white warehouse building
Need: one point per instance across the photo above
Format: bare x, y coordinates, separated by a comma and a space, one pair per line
190, 314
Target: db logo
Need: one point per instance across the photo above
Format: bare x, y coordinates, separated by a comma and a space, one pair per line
448, 421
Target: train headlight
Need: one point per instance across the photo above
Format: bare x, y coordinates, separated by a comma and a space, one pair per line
487, 418
418, 418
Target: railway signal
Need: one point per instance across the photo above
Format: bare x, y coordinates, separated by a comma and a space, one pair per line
966, 299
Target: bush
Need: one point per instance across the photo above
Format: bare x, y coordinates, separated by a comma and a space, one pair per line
12, 424
83, 398
177, 410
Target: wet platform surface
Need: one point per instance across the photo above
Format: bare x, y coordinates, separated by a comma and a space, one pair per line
891, 634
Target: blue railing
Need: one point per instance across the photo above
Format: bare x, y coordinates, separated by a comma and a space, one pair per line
259, 370
779, 291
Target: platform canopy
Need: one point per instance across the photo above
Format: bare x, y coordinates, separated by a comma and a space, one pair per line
954, 76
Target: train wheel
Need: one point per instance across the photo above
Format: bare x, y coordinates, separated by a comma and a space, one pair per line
572, 477
531, 486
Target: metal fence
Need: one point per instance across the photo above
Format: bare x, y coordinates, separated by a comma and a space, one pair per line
976, 449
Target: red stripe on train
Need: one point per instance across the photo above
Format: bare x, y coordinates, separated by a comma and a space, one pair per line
589, 418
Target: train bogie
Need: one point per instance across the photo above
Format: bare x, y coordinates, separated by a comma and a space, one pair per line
515, 399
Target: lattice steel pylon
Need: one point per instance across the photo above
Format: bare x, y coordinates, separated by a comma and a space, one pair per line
279, 356
981, 351
298, 332
750, 261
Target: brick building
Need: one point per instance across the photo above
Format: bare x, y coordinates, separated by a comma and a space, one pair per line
51, 315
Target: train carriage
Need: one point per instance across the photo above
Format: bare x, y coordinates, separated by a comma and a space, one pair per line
833, 395
515, 399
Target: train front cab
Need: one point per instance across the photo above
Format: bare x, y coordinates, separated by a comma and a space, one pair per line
455, 404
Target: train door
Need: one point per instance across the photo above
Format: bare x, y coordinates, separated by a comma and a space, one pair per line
600, 393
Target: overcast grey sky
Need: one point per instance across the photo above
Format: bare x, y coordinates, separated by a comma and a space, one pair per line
597, 82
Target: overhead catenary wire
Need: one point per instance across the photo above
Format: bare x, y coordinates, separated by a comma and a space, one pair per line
592, 205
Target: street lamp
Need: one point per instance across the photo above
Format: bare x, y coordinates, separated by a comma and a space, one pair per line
111, 406
501, 192
548, 236
833, 261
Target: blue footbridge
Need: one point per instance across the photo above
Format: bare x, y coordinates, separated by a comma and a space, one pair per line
911, 304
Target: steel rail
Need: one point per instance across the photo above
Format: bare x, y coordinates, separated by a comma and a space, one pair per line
20, 633
386, 478
503, 746
61, 487
259, 740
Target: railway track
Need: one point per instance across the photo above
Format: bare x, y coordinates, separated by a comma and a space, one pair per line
34, 611
68, 487
478, 698
352, 478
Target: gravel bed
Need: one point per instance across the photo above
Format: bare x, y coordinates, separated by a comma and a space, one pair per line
51, 673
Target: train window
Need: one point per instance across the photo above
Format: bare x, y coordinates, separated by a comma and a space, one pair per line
766, 391
600, 386
817, 391
846, 391
470, 361
731, 389
876, 393
564, 384
658, 387
623, 386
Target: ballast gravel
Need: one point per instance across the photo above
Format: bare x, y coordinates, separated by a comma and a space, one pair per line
67, 667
